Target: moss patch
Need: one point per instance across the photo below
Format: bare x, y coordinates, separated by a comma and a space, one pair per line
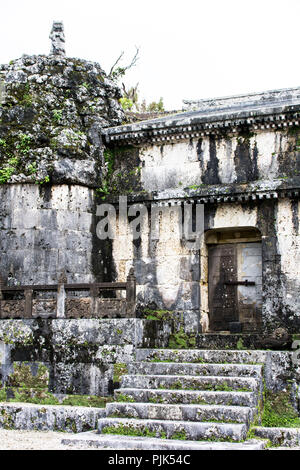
278, 411
128, 431
119, 370
24, 377
182, 340
47, 398
160, 315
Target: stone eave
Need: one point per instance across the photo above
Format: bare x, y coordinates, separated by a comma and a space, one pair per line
221, 193
196, 124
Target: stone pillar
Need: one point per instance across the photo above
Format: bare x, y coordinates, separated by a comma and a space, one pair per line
94, 293
6, 366
130, 293
28, 303
1, 286
1, 294
57, 37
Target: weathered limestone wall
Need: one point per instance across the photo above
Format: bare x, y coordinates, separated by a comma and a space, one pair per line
89, 356
45, 230
167, 272
255, 161
170, 276
288, 239
52, 111
264, 155
51, 115
80, 354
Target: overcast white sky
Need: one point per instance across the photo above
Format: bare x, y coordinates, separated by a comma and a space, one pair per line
189, 49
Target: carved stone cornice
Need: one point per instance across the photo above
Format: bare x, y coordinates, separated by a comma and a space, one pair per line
279, 114
218, 194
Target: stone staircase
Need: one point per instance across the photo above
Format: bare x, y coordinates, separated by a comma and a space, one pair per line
182, 399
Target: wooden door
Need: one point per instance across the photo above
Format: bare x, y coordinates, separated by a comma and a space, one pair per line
222, 266
234, 285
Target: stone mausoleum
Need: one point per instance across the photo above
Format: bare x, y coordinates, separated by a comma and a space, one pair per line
66, 147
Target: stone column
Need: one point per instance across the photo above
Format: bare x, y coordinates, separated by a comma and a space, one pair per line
28, 303
130, 293
61, 296
1, 286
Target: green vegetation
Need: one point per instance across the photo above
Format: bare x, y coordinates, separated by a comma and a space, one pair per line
8, 170
124, 430
157, 107
182, 340
8, 148
109, 158
45, 180
126, 103
29, 388
22, 377
126, 398
86, 400
27, 100
222, 387
47, 398
164, 315
119, 370
57, 115
278, 410
32, 169
196, 186
24, 144
156, 399
240, 344
179, 435
3, 144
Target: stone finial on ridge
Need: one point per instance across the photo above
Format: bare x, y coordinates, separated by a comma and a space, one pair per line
57, 37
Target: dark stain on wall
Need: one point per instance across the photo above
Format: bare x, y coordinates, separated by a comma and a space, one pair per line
295, 216
102, 264
146, 274
125, 175
210, 175
200, 152
210, 211
271, 265
245, 160
45, 192
289, 158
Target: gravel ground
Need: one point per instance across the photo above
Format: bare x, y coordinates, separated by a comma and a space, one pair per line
34, 440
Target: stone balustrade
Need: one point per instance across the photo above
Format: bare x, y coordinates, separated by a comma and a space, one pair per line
63, 300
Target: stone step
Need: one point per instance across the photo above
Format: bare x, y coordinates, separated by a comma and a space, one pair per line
185, 368
173, 429
183, 382
202, 356
34, 417
186, 397
238, 414
116, 442
284, 437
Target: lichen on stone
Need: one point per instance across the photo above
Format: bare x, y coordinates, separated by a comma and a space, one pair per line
52, 110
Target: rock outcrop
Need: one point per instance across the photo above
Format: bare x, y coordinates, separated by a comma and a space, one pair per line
52, 110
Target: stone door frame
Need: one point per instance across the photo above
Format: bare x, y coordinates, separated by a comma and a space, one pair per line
220, 235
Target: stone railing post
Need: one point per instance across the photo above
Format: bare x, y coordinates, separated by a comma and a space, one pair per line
28, 303
94, 292
1, 293
130, 293
61, 296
